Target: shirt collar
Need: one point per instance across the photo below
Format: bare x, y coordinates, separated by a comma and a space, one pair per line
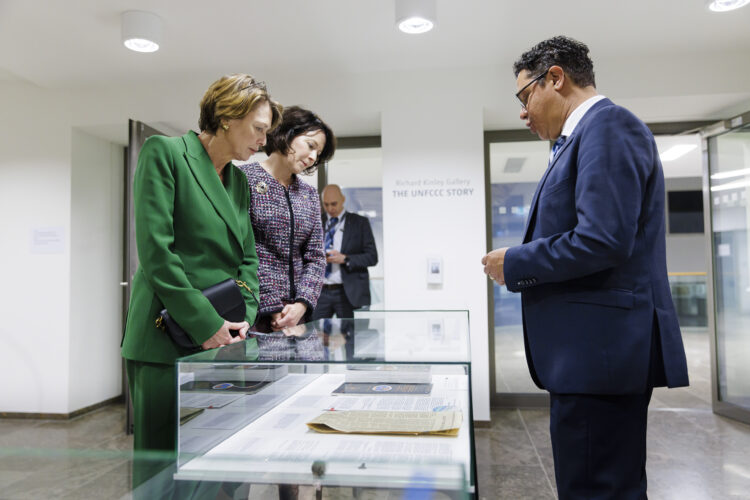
340, 216
577, 114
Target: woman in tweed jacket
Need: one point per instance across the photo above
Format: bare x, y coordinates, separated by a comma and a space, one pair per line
285, 215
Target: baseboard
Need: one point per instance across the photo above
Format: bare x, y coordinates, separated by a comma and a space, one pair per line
519, 400
482, 424
63, 416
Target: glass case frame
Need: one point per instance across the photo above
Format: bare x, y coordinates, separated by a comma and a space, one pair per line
244, 407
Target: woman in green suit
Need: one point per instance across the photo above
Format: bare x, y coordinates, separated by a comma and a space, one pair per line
192, 231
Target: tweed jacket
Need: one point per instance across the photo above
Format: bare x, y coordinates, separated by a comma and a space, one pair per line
288, 239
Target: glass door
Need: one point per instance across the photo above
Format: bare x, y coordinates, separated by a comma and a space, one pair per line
357, 168
515, 161
138, 132
515, 164
728, 216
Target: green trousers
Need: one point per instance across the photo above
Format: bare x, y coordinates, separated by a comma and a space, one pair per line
153, 390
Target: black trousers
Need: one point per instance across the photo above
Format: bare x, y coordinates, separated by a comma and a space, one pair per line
599, 445
333, 301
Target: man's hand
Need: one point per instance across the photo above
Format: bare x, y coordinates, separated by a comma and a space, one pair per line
335, 257
493, 265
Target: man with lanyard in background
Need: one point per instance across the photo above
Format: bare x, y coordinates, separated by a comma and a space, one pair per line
350, 250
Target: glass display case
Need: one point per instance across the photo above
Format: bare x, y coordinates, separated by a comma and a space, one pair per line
381, 401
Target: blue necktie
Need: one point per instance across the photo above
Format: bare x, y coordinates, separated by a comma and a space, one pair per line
329, 239
556, 147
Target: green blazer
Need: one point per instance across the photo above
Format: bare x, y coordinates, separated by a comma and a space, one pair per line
191, 232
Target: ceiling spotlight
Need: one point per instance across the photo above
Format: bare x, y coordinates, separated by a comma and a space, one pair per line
415, 16
141, 31
726, 5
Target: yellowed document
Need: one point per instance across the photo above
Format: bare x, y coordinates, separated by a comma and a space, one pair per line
441, 423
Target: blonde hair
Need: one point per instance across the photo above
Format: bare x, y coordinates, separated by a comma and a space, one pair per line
232, 97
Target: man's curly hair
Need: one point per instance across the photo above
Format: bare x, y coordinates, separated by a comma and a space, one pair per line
571, 55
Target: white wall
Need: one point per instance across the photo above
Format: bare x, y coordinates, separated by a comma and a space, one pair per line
431, 126
50, 365
34, 287
431, 138
96, 259
60, 335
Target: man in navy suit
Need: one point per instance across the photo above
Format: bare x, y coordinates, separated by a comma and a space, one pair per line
600, 329
350, 250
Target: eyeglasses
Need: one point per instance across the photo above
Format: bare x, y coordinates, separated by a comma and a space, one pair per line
256, 85
518, 94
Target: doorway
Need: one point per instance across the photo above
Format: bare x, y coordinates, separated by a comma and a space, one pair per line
727, 217
138, 132
514, 163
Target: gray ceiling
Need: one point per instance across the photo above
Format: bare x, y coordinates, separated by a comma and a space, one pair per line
667, 60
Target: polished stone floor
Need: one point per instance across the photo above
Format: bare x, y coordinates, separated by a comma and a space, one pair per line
693, 454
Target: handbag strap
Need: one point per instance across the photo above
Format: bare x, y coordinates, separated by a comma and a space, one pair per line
242, 284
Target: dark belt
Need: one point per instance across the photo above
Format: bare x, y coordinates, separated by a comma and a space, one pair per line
333, 287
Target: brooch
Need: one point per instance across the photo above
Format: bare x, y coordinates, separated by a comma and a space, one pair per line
261, 187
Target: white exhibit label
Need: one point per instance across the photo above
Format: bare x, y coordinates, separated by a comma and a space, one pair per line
47, 240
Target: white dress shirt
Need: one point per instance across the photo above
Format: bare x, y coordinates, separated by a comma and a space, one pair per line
577, 114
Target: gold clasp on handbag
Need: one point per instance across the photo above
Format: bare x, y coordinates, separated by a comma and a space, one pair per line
159, 323
242, 284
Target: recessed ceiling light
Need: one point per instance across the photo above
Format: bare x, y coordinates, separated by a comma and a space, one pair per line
415, 16
141, 31
141, 45
415, 25
676, 151
726, 5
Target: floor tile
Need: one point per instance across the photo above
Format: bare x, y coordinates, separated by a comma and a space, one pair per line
501, 448
109, 485
58, 477
498, 482
9, 477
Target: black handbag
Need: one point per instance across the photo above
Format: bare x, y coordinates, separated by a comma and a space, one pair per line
228, 301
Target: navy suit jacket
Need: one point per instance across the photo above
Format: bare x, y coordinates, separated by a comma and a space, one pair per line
358, 244
592, 267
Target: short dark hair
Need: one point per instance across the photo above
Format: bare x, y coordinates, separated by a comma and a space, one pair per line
571, 55
296, 121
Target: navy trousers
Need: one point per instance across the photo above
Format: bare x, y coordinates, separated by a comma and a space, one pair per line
599, 445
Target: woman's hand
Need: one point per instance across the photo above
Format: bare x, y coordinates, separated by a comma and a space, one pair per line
275, 317
289, 316
223, 337
295, 331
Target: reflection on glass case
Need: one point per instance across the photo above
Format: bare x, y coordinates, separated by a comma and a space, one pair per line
380, 401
